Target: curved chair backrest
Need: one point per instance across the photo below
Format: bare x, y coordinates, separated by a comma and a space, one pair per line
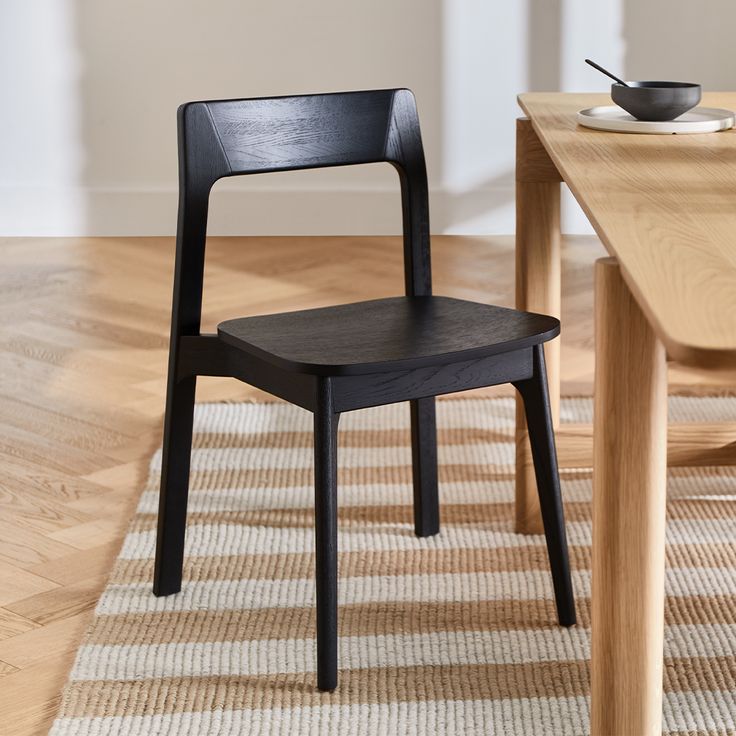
302, 132
223, 138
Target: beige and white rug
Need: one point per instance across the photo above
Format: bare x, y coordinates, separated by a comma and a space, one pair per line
449, 635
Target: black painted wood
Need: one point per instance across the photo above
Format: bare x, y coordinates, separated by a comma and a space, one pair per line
200, 163
424, 467
409, 348
207, 355
172, 509
386, 335
542, 440
325, 524
376, 389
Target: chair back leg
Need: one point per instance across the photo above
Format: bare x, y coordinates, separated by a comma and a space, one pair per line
424, 467
535, 394
175, 460
325, 518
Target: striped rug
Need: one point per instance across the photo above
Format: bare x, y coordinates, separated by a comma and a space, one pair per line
449, 635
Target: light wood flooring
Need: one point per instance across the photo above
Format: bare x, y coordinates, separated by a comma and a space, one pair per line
83, 345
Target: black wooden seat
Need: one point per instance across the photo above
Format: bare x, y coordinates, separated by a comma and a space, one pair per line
336, 359
381, 335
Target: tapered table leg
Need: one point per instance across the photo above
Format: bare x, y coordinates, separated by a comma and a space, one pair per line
629, 484
537, 290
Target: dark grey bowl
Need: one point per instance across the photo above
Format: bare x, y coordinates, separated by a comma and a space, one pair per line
656, 100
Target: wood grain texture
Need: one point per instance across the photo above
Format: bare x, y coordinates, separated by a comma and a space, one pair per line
629, 499
253, 133
83, 351
537, 290
351, 342
382, 335
688, 445
664, 207
533, 164
357, 392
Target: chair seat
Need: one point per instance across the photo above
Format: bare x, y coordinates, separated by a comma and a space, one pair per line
386, 335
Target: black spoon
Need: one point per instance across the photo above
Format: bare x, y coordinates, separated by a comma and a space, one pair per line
606, 72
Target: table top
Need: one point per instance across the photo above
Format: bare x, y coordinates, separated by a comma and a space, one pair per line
665, 207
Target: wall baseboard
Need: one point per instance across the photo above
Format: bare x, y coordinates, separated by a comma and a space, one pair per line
71, 212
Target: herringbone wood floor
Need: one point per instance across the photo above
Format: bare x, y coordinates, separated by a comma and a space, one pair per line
83, 344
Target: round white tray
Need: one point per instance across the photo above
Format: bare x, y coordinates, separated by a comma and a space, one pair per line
697, 120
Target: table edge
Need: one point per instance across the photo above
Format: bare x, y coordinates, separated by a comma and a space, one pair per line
698, 356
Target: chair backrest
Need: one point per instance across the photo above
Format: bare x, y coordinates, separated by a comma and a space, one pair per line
223, 138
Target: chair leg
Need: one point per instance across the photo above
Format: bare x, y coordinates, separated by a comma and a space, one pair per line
172, 510
424, 467
325, 516
542, 440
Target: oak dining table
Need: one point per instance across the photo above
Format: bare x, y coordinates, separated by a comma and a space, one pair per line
664, 207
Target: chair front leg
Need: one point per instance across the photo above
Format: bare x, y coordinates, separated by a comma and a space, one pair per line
424, 467
542, 440
325, 517
175, 460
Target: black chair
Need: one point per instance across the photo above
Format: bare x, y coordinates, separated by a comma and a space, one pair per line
408, 348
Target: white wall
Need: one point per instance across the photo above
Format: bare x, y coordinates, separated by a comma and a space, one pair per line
692, 41
41, 154
87, 137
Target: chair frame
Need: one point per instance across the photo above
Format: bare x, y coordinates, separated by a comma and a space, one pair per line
211, 147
